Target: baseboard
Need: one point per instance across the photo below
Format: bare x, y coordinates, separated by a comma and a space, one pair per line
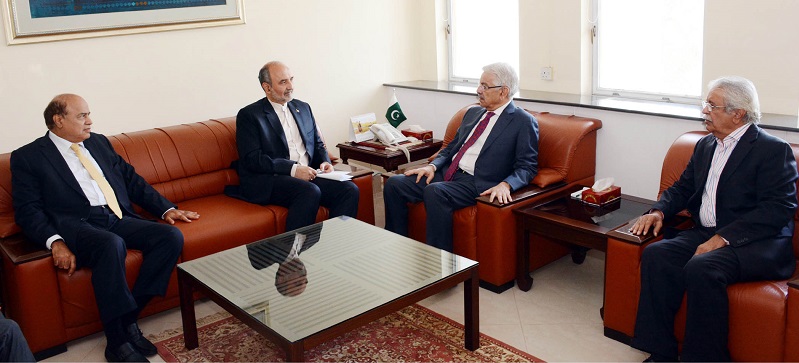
618, 336
50, 352
494, 288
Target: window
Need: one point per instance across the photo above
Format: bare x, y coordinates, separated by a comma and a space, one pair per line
649, 49
482, 32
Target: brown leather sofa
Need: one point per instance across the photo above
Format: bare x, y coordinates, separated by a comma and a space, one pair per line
486, 232
189, 165
764, 316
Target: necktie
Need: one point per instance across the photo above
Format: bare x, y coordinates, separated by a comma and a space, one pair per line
108, 192
475, 135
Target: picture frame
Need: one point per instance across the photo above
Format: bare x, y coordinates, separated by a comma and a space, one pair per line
33, 21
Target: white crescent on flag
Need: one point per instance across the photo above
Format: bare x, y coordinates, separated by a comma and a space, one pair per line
395, 115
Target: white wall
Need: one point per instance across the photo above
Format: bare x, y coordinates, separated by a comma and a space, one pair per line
339, 51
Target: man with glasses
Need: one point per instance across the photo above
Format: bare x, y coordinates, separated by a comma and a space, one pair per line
494, 152
740, 189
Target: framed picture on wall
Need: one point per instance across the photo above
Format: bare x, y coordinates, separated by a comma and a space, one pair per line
30, 21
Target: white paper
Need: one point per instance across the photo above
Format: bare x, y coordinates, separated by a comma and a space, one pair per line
335, 175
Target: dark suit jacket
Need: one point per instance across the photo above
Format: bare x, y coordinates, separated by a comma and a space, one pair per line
275, 249
263, 149
48, 199
509, 154
755, 200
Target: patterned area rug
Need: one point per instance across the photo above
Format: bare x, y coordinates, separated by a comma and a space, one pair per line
414, 334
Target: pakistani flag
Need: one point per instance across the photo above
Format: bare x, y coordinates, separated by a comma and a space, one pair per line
394, 113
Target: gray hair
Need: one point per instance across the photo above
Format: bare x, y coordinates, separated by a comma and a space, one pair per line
739, 94
506, 74
263, 74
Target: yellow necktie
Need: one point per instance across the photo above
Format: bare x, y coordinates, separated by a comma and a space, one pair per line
108, 192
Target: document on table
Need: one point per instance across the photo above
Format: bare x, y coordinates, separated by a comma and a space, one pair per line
335, 175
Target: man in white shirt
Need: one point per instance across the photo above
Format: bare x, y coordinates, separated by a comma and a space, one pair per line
494, 152
74, 195
280, 153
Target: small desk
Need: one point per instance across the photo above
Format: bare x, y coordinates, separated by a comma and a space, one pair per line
571, 222
389, 160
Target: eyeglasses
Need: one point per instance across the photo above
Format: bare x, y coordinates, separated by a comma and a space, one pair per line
486, 87
712, 107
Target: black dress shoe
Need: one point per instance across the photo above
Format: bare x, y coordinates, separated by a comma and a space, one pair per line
134, 336
124, 353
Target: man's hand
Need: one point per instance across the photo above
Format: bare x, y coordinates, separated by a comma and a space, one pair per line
642, 225
426, 171
500, 191
326, 167
63, 258
713, 243
306, 173
180, 215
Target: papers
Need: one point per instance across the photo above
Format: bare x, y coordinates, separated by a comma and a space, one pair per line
335, 175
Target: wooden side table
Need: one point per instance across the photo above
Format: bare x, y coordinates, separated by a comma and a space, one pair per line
389, 160
571, 222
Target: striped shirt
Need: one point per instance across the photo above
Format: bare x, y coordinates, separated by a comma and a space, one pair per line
724, 148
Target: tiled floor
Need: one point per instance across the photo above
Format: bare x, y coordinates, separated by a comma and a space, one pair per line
557, 320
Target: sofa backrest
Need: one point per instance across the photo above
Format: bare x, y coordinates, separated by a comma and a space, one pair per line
677, 159
566, 146
182, 162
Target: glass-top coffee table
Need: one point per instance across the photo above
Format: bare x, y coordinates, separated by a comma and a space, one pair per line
304, 287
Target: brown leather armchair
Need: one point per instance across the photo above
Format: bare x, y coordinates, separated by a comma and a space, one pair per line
764, 315
486, 232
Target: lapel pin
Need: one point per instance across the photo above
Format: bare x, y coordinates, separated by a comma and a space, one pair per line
297, 109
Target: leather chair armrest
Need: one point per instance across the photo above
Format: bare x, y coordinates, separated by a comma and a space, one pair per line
523, 194
622, 232
20, 250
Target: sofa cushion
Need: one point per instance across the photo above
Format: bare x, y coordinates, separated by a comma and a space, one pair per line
228, 223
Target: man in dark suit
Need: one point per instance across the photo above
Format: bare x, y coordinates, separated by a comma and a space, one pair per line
281, 152
291, 277
74, 195
494, 152
740, 188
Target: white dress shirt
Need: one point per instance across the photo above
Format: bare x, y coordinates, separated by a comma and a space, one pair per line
297, 151
469, 158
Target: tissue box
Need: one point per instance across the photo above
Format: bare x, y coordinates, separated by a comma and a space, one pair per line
603, 196
421, 135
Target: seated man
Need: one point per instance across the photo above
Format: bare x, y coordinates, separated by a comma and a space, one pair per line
74, 195
13, 346
280, 153
494, 152
740, 188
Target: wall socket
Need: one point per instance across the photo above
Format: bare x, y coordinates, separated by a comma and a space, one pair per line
546, 73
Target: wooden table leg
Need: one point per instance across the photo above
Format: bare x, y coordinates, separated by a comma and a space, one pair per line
187, 311
523, 278
471, 310
295, 353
